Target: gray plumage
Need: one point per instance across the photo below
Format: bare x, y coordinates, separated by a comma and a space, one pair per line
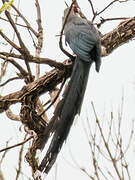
84, 40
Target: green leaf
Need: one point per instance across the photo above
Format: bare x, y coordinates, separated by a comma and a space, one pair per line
6, 6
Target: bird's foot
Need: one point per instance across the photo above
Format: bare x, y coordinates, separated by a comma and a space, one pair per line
39, 175
31, 132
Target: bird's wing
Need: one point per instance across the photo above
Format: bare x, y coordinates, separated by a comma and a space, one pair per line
81, 40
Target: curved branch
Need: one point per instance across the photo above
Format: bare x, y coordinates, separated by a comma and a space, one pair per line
62, 30
16, 145
124, 32
12, 116
39, 86
55, 98
9, 80
92, 7
25, 20
40, 37
23, 50
33, 59
103, 20
10, 42
107, 6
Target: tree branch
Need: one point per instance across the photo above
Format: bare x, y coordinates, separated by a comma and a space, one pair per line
40, 37
62, 30
24, 51
103, 20
39, 86
20, 68
107, 6
18, 170
33, 59
9, 80
112, 40
9, 41
16, 145
124, 32
25, 20
12, 116
92, 7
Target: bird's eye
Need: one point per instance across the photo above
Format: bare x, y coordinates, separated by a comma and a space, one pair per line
75, 8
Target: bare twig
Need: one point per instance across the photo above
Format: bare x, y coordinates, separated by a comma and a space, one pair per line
16, 31
103, 20
40, 37
18, 170
12, 116
107, 7
14, 34
92, 7
37, 54
23, 49
130, 138
20, 68
25, 20
1, 160
21, 25
66, 4
34, 59
10, 42
53, 94
48, 61
3, 69
16, 145
4, 154
82, 169
62, 30
106, 144
102, 173
76, 163
57, 95
95, 13
9, 80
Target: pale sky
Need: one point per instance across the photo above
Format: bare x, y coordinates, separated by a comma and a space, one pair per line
117, 76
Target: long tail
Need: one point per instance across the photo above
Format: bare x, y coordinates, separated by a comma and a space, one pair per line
69, 106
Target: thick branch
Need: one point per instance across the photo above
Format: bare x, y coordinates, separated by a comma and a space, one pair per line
120, 35
12, 116
40, 86
124, 32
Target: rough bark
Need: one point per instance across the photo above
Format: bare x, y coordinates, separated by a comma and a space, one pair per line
124, 32
36, 88
29, 94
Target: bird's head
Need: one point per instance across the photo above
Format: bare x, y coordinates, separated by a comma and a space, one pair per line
73, 13
76, 9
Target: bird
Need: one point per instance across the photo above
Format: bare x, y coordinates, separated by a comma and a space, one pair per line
84, 40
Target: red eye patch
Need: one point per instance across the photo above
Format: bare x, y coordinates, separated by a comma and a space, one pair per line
75, 8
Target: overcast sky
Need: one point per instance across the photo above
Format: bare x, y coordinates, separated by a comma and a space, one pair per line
115, 79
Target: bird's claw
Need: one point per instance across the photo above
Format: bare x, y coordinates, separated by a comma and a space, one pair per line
38, 175
29, 131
